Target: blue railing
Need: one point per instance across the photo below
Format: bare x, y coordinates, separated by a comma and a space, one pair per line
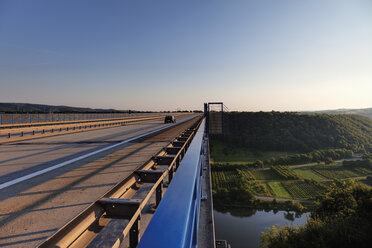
175, 222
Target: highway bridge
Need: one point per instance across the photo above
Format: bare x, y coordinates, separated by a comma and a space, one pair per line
110, 182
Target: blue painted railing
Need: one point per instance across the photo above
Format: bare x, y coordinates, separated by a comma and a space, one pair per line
175, 222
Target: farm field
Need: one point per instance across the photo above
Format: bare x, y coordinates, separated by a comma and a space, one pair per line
304, 183
303, 189
307, 173
278, 190
340, 172
224, 179
222, 153
265, 175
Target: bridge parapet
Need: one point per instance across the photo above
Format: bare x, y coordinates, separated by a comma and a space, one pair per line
176, 221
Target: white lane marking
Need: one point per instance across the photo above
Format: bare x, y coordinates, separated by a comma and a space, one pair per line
37, 173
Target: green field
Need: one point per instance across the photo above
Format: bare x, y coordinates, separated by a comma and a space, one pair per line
312, 181
224, 179
222, 153
303, 189
278, 190
307, 173
265, 175
340, 172
260, 188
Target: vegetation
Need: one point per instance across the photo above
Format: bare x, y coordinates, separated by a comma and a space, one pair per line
245, 167
308, 173
342, 219
265, 175
307, 189
278, 190
315, 156
341, 172
275, 131
304, 183
364, 112
222, 152
360, 162
284, 171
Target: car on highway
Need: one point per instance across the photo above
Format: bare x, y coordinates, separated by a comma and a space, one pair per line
169, 119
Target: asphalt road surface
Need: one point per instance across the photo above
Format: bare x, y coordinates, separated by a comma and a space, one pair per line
46, 182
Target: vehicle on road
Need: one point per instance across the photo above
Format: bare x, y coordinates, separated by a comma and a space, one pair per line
169, 119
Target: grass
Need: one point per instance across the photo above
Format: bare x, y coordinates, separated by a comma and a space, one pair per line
307, 173
278, 190
265, 175
339, 172
222, 153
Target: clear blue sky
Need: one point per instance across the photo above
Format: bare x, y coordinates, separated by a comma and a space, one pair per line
167, 55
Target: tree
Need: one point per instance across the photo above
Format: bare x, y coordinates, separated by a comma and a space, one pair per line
328, 160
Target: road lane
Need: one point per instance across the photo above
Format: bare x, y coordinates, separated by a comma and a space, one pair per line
67, 162
23, 158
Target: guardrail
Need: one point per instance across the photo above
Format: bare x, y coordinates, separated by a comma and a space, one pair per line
32, 130
63, 117
175, 223
24, 133
120, 202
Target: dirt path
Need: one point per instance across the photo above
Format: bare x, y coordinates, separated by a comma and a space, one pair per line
267, 198
355, 157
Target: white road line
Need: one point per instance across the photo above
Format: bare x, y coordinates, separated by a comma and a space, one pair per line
37, 173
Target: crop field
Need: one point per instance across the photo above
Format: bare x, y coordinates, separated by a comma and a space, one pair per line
332, 172
265, 175
247, 174
302, 190
284, 171
261, 189
222, 153
364, 170
224, 179
278, 190
281, 182
307, 173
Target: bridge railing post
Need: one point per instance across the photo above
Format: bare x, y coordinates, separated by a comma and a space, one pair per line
134, 234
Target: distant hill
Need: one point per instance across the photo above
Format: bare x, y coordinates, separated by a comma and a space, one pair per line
41, 108
363, 112
289, 131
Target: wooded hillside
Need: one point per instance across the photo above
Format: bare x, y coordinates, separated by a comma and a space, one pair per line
289, 131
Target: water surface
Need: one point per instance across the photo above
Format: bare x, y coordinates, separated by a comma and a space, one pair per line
243, 227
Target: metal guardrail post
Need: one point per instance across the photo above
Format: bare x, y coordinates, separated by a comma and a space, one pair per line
134, 234
175, 222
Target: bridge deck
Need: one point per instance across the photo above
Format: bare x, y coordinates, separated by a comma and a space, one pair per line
35, 208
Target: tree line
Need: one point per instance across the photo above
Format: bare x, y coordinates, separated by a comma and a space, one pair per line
316, 156
342, 219
289, 131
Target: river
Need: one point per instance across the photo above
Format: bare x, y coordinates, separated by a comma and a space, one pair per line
242, 227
